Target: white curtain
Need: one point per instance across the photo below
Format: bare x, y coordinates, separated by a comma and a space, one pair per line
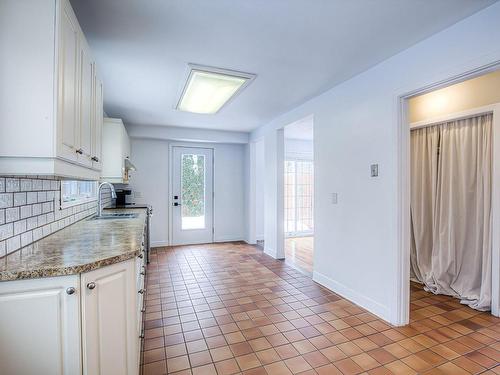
451, 171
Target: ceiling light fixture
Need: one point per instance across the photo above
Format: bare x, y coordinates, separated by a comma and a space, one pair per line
208, 89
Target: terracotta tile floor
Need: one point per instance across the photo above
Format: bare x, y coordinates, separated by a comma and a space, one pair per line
229, 309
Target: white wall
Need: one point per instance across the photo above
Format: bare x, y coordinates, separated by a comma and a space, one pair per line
298, 149
151, 180
463, 96
182, 134
229, 187
356, 124
260, 190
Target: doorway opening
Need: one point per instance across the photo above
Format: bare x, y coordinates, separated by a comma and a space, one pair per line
298, 193
192, 195
453, 174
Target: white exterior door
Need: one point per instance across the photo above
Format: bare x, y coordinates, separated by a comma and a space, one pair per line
192, 195
40, 326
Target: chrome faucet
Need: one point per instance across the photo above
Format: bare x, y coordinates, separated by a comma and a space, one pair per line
99, 197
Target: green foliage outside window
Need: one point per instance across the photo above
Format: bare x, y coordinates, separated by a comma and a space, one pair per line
193, 185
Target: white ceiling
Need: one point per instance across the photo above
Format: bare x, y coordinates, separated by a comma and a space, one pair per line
301, 129
297, 48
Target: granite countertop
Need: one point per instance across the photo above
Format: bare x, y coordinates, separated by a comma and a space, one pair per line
81, 247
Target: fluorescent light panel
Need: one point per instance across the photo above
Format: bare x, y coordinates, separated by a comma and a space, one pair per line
208, 90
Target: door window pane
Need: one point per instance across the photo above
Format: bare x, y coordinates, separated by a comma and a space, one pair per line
193, 191
299, 178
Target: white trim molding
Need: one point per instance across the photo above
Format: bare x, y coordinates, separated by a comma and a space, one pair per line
402, 298
353, 296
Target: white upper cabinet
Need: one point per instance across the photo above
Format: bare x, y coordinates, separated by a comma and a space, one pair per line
51, 98
68, 84
86, 105
98, 122
115, 151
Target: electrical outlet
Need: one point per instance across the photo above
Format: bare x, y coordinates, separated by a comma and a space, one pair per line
374, 170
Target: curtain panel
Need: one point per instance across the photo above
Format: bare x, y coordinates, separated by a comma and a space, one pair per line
451, 172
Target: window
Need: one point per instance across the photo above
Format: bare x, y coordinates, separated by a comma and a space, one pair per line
193, 191
299, 177
77, 192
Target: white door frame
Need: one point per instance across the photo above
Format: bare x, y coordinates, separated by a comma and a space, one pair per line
171, 182
402, 315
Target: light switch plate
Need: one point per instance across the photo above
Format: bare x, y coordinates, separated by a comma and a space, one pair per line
374, 170
334, 198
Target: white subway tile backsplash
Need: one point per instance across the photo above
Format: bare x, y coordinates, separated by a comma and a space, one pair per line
31, 197
25, 212
42, 196
46, 184
26, 185
6, 231
26, 238
13, 243
19, 227
37, 234
29, 211
37, 209
12, 185
47, 207
42, 220
31, 222
37, 185
6, 200
12, 214
19, 199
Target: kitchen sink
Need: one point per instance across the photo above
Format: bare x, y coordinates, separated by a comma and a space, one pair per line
115, 216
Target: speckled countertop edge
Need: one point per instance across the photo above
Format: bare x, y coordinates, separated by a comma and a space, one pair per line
84, 246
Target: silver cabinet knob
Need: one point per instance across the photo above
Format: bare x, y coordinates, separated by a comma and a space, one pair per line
70, 290
143, 273
142, 291
143, 310
95, 158
141, 255
79, 151
91, 285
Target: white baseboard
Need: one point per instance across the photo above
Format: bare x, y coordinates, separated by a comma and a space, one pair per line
159, 243
270, 252
228, 238
361, 300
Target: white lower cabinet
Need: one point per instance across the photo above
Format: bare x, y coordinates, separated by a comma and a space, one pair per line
80, 324
109, 320
40, 326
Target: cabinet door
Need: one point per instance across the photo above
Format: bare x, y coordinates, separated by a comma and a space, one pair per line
86, 119
68, 52
40, 326
108, 320
97, 129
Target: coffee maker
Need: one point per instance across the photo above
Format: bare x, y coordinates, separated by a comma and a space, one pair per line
123, 197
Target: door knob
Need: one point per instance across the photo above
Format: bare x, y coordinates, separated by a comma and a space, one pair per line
91, 285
